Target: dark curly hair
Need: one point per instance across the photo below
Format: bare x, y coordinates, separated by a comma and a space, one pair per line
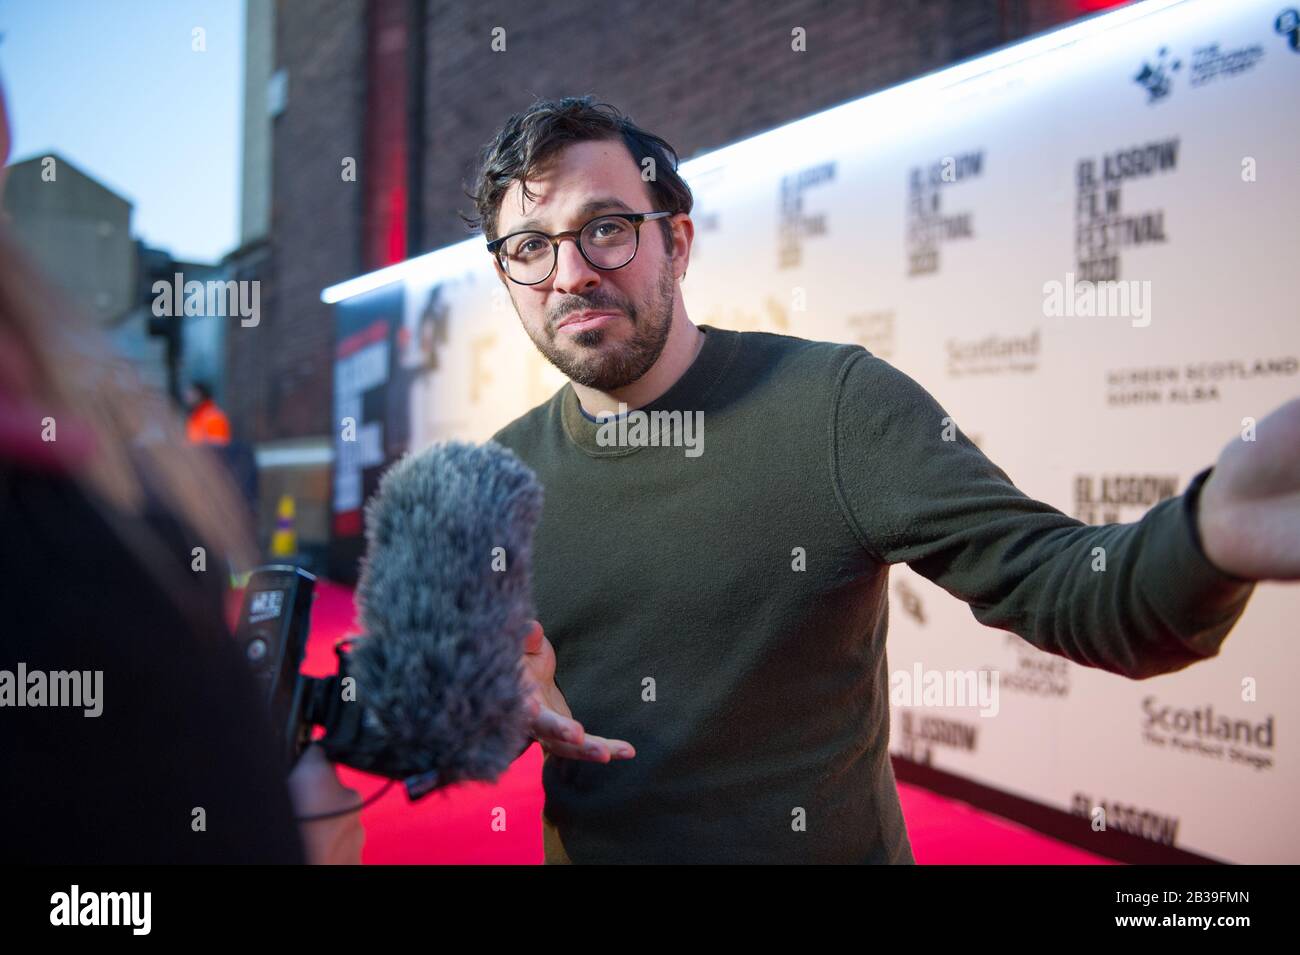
529, 140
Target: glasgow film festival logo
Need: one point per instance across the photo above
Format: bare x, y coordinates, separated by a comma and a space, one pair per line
929, 222
794, 222
1105, 225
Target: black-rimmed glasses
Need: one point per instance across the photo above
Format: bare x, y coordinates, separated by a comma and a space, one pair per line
607, 242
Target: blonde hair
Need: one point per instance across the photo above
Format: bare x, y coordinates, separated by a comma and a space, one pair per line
62, 364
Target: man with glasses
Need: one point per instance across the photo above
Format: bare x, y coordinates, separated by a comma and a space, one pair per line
723, 617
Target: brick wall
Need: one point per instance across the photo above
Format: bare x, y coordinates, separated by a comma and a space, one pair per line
279, 373
701, 74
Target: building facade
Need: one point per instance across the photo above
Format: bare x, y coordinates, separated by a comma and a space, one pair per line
376, 110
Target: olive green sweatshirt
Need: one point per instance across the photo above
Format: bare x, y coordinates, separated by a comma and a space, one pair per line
721, 602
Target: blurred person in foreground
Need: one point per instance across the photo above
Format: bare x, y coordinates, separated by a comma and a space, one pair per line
168, 758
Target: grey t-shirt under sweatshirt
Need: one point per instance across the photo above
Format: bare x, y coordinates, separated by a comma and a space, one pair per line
756, 693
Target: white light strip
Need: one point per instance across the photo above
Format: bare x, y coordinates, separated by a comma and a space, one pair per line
469, 254
908, 98
300, 455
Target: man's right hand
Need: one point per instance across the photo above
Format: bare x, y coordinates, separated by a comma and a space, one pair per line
553, 724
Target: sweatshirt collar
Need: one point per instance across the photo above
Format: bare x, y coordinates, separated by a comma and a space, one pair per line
688, 393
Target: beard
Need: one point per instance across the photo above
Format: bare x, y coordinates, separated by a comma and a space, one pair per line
619, 363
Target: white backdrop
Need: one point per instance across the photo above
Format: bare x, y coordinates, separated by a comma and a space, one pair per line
923, 223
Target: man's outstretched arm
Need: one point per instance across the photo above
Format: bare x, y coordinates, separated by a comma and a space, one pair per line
1137, 599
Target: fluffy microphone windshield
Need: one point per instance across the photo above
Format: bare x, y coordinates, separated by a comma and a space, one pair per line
445, 598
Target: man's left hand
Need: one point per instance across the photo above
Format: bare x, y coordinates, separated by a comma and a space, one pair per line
1249, 507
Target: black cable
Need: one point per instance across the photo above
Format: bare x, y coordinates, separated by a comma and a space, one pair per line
343, 812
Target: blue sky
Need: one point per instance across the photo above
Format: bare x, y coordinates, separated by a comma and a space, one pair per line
115, 87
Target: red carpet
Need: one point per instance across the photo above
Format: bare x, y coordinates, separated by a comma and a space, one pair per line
456, 825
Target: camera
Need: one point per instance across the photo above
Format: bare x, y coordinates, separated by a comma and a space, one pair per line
272, 631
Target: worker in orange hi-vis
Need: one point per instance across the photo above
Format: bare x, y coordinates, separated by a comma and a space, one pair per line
207, 423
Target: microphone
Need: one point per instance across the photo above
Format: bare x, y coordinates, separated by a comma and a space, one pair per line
445, 598
433, 693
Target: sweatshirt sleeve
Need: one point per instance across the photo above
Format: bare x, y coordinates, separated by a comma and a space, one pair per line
954, 517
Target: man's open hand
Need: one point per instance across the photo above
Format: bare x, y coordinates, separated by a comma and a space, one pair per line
553, 724
1249, 507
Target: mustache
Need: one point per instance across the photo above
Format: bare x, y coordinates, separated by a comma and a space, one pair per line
583, 305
